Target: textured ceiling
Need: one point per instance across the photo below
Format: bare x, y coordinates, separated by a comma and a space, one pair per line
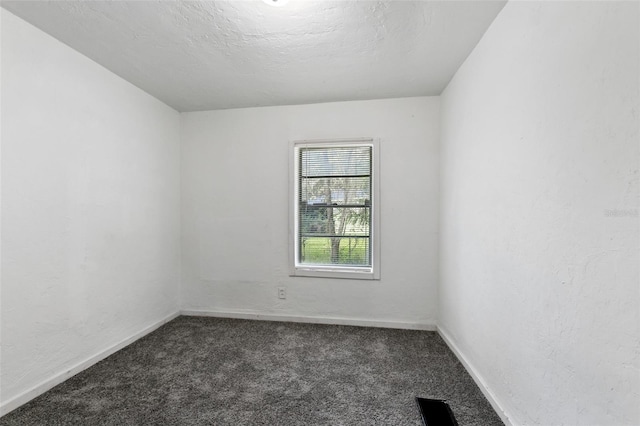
202, 55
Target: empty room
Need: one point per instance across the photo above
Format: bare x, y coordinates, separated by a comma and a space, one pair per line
310, 212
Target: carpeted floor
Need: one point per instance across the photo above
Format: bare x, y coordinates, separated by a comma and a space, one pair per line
209, 371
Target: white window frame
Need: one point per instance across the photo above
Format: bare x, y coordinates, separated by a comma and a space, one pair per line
338, 271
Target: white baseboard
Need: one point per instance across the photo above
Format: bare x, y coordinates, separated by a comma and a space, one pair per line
312, 319
47, 384
477, 377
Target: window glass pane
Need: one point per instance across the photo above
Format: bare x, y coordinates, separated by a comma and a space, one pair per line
335, 205
340, 191
336, 161
330, 251
352, 221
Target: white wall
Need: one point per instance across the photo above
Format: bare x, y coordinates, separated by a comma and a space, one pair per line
235, 166
1, 133
539, 220
90, 219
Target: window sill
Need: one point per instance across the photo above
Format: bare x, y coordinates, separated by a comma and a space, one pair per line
340, 273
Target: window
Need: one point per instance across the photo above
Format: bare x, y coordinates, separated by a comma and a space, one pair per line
334, 221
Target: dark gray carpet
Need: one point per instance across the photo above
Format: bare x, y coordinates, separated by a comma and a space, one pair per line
209, 371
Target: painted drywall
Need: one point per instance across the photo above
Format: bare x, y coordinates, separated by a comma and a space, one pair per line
90, 209
1, 211
235, 209
539, 228
201, 55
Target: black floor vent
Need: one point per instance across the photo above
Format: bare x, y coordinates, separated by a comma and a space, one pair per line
435, 412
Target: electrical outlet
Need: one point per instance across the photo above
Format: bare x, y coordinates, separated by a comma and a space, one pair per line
282, 292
